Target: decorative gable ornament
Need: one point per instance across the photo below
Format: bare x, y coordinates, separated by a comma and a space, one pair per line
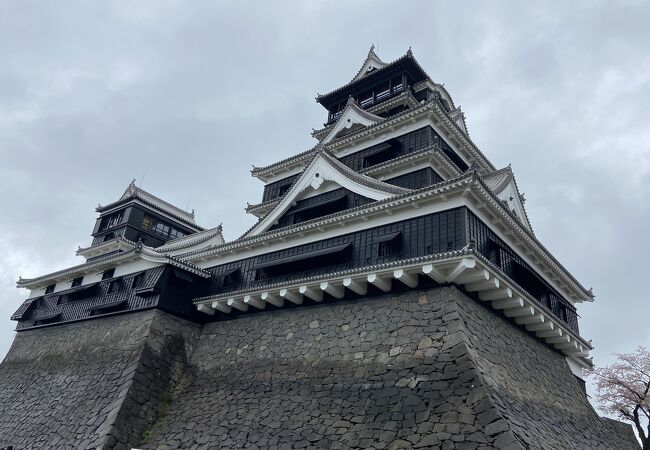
371, 64
321, 169
502, 182
352, 118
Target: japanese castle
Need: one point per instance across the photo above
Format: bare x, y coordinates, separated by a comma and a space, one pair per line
393, 196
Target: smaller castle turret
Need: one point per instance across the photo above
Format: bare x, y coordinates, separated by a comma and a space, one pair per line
130, 265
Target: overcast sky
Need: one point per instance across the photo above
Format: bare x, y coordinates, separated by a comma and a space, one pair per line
188, 95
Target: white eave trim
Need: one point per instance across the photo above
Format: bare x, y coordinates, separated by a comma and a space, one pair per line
141, 252
464, 268
465, 148
118, 243
433, 155
468, 187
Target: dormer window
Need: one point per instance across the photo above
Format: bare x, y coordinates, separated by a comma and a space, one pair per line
284, 189
77, 281
108, 274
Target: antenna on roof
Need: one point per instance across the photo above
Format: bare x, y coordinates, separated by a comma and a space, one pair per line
142, 179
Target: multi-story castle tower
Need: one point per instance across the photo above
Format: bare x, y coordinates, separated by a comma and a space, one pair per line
392, 294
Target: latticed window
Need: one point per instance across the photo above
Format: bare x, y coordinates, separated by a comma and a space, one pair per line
111, 221
138, 280
494, 253
389, 245
114, 286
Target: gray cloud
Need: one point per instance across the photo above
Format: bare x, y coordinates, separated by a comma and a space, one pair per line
95, 94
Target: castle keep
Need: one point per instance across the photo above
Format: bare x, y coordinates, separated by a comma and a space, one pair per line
392, 294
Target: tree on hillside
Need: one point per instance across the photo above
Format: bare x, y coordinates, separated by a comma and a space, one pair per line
623, 389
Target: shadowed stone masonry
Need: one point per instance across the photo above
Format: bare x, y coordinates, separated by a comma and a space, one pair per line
423, 369
94, 384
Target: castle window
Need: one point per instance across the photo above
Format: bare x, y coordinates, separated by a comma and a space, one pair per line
303, 262
108, 237
108, 274
175, 233
147, 222
397, 84
320, 209
384, 152
284, 189
389, 245
111, 221
113, 286
47, 318
107, 307
77, 281
231, 278
138, 280
494, 253
161, 228
50, 288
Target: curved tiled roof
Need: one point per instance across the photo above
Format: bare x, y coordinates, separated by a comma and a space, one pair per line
403, 98
407, 55
344, 170
190, 240
433, 104
410, 157
134, 192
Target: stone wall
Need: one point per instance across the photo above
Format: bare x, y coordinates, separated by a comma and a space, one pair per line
387, 372
421, 369
533, 388
93, 384
428, 369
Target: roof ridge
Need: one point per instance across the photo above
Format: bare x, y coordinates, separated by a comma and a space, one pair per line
134, 192
408, 54
360, 176
191, 239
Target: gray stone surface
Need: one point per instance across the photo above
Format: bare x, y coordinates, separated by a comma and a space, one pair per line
94, 384
424, 369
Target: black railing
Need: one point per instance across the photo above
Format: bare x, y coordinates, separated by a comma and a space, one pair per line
367, 102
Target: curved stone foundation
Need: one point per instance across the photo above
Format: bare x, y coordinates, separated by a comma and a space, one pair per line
421, 369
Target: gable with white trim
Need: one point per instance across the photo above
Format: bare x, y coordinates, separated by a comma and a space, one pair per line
319, 177
509, 194
371, 64
352, 119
